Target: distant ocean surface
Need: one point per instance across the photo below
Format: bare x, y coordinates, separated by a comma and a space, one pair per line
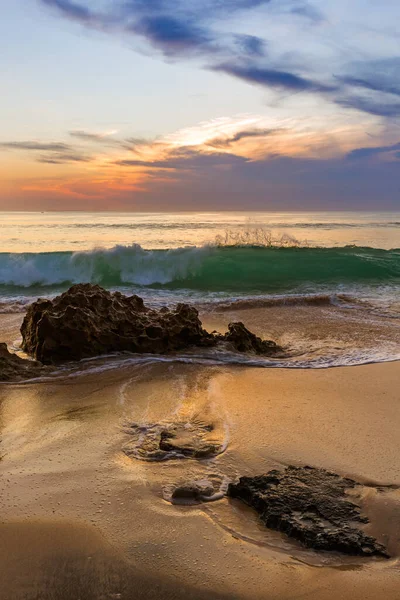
242, 259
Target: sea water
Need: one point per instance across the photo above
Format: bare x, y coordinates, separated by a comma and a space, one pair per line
232, 260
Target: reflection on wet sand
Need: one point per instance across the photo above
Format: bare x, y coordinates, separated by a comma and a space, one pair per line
94, 523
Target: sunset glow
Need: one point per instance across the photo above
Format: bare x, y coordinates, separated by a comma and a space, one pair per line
149, 120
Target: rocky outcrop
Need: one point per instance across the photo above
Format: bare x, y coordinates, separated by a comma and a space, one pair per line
88, 321
312, 506
244, 340
14, 368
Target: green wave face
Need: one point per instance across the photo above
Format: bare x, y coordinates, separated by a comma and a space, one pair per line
280, 269
231, 269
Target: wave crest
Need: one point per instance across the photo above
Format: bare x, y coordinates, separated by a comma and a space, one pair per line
242, 269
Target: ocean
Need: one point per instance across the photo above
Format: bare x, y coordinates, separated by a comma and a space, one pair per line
93, 451
341, 265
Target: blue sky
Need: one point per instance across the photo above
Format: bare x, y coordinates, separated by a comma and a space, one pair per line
173, 104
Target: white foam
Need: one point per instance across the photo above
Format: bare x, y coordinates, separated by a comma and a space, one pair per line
123, 264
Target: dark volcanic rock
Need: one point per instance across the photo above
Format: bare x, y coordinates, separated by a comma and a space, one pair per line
310, 505
89, 321
13, 368
244, 340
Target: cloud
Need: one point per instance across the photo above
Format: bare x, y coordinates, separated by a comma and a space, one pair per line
59, 159
172, 35
195, 9
251, 45
102, 139
89, 136
225, 141
279, 183
57, 152
374, 83
138, 141
186, 158
33, 145
186, 28
172, 26
155, 164
272, 78
72, 10
380, 107
309, 12
359, 153
197, 29
216, 164
377, 75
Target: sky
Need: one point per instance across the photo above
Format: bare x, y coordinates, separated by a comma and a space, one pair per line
156, 105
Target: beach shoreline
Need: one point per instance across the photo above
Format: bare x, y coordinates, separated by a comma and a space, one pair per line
63, 462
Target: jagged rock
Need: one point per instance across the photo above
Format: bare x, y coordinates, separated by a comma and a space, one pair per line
311, 506
13, 368
244, 340
89, 321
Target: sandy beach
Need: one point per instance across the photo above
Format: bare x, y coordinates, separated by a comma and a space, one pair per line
81, 519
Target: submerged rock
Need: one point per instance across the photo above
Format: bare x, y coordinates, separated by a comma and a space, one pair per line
194, 491
210, 488
186, 439
310, 505
13, 368
88, 321
190, 439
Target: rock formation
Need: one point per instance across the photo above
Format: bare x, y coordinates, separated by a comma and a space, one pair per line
88, 321
185, 439
192, 491
244, 340
310, 505
13, 368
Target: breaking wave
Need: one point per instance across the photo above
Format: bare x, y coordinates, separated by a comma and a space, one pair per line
237, 269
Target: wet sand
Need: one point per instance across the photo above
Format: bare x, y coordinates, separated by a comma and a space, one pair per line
82, 519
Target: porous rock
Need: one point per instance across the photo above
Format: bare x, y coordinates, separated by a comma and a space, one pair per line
311, 505
244, 340
13, 368
89, 321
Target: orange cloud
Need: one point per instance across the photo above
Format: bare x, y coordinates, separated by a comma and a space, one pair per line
114, 172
